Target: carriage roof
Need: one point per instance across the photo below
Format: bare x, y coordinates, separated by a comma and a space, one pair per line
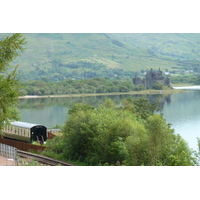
24, 124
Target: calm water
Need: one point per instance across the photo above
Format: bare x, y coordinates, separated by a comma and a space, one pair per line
182, 110
184, 114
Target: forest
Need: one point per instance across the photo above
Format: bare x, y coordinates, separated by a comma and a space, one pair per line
132, 134
92, 85
95, 85
186, 78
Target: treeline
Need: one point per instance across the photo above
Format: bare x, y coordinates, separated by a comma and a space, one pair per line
93, 85
132, 134
186, 79
75, 70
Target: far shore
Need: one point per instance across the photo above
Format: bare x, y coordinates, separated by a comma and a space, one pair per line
170, 91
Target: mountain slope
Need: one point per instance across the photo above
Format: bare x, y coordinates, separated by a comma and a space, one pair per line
173, 45
58, 56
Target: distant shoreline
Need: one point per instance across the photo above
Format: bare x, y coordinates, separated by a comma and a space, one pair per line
103, 94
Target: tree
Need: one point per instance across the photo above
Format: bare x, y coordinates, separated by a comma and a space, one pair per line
160, 137
158, 86
96, 136
79, 107
111, 135
141, 106
10, 47
179, 153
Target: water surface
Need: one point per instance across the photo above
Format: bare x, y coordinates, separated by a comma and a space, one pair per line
182, 110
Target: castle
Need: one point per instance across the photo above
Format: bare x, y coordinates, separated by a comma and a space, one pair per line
151, 79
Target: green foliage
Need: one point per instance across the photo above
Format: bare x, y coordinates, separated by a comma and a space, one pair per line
185, 79
29, 162
141, 107
158, 86
9, 83
181, 154
137, 145
62, 56
197, 80
93, 135
55, 148
79, 107
9, 49
159, 137
109, 103
56, 144
93, 85
113, 135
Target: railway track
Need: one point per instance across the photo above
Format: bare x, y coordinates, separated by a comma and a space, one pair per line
42, 159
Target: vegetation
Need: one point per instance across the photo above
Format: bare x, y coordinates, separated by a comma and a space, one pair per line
186, 79
181, 47
85, 86
57, 57
29, 162
10, 47
93, 85
131, 134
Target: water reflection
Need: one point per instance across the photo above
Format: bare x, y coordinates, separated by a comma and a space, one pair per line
182, 110
184, 115
54, 111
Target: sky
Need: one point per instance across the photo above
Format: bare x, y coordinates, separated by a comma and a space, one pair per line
111, 16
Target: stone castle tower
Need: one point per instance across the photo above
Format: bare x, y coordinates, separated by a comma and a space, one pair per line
151, 78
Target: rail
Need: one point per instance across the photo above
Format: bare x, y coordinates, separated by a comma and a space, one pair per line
42, 159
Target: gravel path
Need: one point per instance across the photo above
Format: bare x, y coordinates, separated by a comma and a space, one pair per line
6, 161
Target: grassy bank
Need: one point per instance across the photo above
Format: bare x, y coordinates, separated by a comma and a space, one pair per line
182, 84
170, 91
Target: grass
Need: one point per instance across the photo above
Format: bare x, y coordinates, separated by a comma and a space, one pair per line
169, 91
182, 84
42, 49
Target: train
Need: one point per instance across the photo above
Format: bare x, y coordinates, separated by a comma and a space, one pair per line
25, 132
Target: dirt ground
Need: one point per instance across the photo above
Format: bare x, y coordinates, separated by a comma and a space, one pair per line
6, 161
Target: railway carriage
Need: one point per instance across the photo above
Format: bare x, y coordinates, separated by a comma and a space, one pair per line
26, 132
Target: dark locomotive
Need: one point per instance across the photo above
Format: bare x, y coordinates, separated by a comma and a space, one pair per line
26, 132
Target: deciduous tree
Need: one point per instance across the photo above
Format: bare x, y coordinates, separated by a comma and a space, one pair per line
10, 47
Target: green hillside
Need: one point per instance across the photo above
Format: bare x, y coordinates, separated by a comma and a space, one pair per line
172, 45
59, 56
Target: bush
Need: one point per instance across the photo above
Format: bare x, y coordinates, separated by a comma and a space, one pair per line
158, 86
127, 135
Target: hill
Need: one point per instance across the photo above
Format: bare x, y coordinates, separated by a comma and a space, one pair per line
172, 45
59, 56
